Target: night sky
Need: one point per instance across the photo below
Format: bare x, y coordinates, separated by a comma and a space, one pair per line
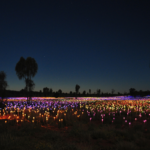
96, 44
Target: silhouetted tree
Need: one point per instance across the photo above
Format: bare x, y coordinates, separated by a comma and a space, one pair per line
77, 87
119, 93
56, 94
98, 92
141, 93
3, 84
50, 90
59, 91
132, 91
25, 69
45, 91
112, 91
84, 92
89, 91
30, 86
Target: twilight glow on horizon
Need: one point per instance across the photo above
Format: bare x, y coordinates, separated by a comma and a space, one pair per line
95, 44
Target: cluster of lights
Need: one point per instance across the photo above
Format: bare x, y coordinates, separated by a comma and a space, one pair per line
47, 109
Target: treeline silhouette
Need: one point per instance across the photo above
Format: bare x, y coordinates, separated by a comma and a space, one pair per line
26, 70
50, 93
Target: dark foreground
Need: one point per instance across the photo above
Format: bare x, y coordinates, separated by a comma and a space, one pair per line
79, 136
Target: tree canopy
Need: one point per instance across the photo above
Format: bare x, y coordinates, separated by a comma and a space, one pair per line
25, 69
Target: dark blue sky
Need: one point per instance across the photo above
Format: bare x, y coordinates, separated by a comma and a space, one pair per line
96, 44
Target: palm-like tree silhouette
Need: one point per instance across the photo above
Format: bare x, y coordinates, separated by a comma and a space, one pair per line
25, 69
3, 83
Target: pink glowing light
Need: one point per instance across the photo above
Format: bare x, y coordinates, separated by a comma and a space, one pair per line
125, 120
